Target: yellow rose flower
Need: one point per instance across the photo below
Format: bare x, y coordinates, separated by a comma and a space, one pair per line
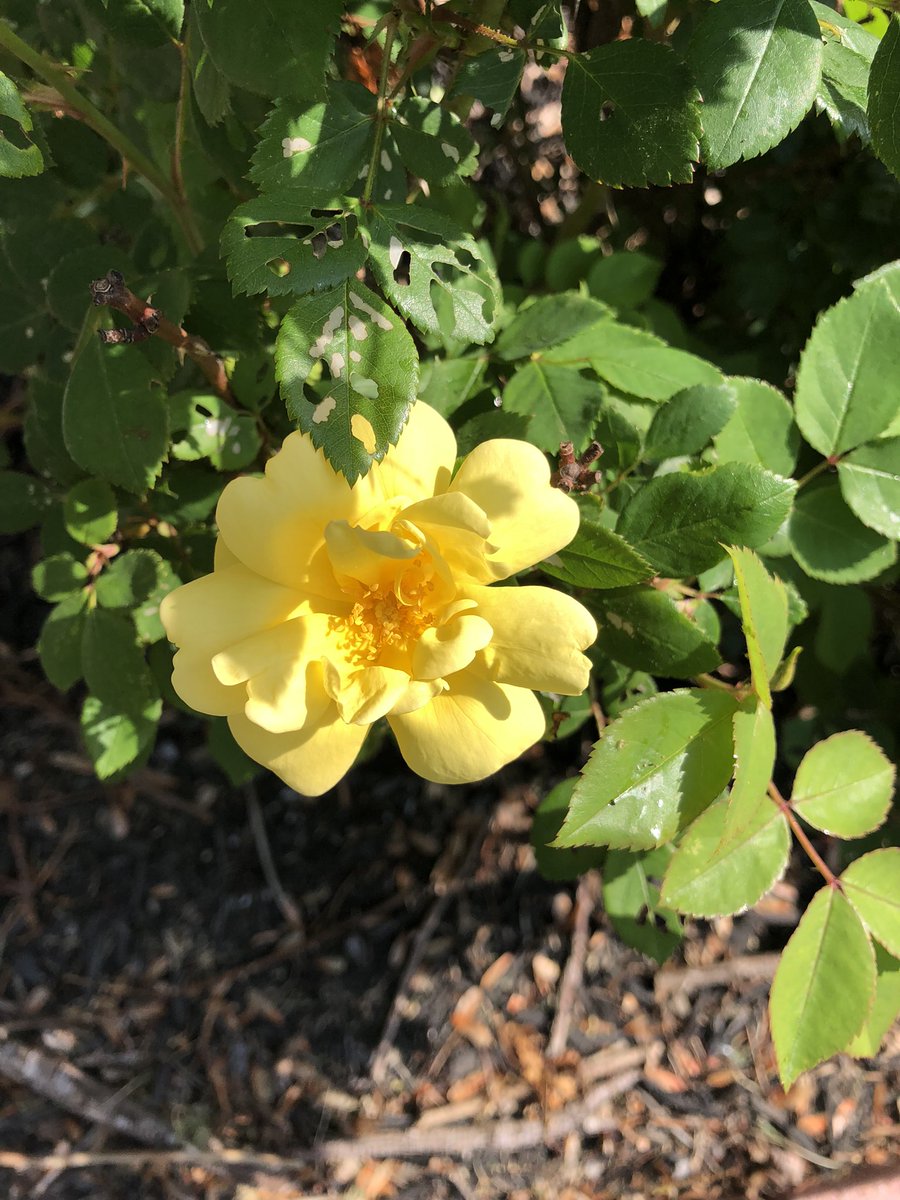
331, 606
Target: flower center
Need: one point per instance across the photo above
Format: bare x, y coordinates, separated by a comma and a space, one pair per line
384, 621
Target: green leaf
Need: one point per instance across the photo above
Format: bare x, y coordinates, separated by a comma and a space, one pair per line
47, 451
59, 645
841, 398
227, 754
754, 762
547, 321
433, 143
830, 543
709, 876
114, 418
630, 114
555, 864
278, 48
275, 244
24, 500
16, 161
90, 513
631, 901
58, 576
634, 361
624, 280
653, 771
870, 483
436, 256
369, 372
884, 98
646, 629
315, 151
757, 64
870, 884
597, 558
764, 617
846, 62
561, 403
129, 579
689, 421
68, 292
844, 785
116, 739
653, 10
679, 521
212, 429
824, 985
146, 615
212, 90
492, 78
114, 666
621, 430
760, 430
446, 383
884, 1010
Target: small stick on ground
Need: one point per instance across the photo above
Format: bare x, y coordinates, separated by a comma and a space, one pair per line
753, 967
585, 900
112, 292
286, 905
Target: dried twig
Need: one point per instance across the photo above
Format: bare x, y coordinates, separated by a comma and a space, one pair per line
585, 900
286, 905
694, 979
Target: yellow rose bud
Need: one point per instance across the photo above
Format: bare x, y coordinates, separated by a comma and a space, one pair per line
331, 606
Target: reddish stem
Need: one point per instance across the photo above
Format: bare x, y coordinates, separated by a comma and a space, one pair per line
800, 834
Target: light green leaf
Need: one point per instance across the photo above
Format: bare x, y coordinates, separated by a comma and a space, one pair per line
646, 629
58, 576
885, 1009
116, 739
761, 429
493, 78
146, 615
547, 322
870, 884
90, 513
114, 418
624, 280
846, 62
59, 645
631, 901
689, 421
830, 543
597, 557
843, 397
432, 141
441, 258
679, 521
653, 10
24, 500
16, 161
712, 874
824, 986
884, 98
275, 244
561, 403
278, 48
212, 429
653, 771
369, 370
844, 785
754, 762
870, 483
630, 114
764, 617
447, 383
634, 361
757, 64
553, 863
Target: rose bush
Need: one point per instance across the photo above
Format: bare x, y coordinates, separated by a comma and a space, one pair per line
331, 606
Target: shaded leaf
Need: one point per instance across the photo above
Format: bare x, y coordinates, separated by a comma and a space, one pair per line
433, 142
597, 558
631, 901
547, 322
870, 483
884, 98
492, 78
625, 279
59, 644
16, 161
90, 512
58, 576
830, 543
885, 1008
646, 629
553, 863
24, 500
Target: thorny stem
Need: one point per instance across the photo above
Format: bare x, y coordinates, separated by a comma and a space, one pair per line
381, 112
800, 834
92, 116
494, 35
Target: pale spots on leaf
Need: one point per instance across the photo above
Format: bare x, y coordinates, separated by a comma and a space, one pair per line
365, 387
506, 56
326, 337
388, 194
337, 363
450, 151
361, 428
324, 409
295, 145
355, 355
358, 329
618, 622
395, 251
380, 320
386, 160
218, 427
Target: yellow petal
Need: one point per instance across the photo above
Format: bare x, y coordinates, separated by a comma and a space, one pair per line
418, 693
422, 462
458, 527
214, 612
510, 483
538, 637
366, 693
470, 731
310, 760
195, 683
444, 649
369, 556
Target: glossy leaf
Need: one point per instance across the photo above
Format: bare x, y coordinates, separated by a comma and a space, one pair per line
823, 987
870, 884
646, 629
761, 429
679, 521
597, 558
754, 763
561, 403
829, 542
653, 771
630, 114
884, 98
547, 322
764, 617
369, 371
631, 901
757, 64
689, 421
844, 785
870, 483
846, 62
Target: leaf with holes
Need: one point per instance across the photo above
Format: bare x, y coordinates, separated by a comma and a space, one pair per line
369, 374
560, 402
418, 254
829, 542
823, 987
844, 785
884, 98
278, 245
206, 427
757, 64
870, 483
432, 141
316, 151
17, 161
630, 114
491, 78
653, 771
